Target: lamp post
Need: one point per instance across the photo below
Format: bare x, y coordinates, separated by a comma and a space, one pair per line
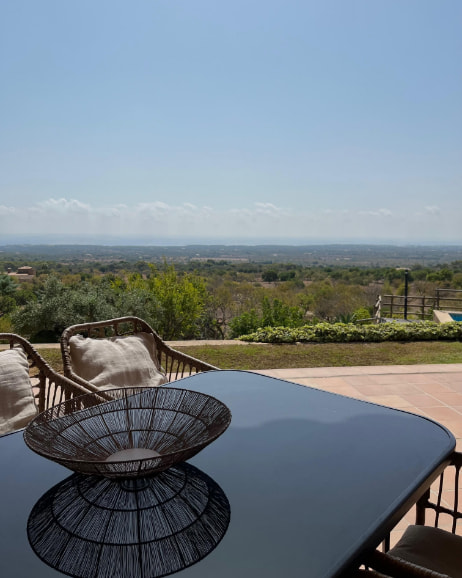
406, 287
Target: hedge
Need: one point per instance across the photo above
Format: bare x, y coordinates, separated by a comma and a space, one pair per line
350, 332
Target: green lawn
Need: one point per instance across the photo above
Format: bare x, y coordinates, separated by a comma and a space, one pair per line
313, 355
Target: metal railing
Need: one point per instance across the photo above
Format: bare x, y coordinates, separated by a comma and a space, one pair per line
445, 302
417, 306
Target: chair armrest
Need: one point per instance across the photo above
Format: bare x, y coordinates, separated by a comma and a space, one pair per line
178, 364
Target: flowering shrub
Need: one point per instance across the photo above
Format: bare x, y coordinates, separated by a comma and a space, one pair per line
349, 332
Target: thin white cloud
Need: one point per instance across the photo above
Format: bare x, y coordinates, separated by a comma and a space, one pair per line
377, 213
64, 206
433, 210
266, 220
428, 213
271, 210
7, 211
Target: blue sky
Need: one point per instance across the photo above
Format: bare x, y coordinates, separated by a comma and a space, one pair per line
275, 120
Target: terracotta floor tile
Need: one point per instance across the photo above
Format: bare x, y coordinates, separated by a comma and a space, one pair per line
387, 378
308, 381
455, 376
347, 390
443, 413
434, 388
416, 410
448, 379
454, 426
394, 401
449, 398
421, 400
369, 388
357, 380
387, 389
420, 378
326, 382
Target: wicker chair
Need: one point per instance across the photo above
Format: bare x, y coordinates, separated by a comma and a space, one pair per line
48, 387
436, 539
175, 364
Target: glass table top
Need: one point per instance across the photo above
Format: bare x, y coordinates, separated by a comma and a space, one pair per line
300, 483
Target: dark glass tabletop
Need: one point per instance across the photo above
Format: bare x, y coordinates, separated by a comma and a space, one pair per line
301, 484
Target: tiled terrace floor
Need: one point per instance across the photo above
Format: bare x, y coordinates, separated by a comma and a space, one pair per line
434, 391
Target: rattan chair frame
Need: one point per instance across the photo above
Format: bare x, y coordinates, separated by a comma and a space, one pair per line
430, 511
175, 363
49, 387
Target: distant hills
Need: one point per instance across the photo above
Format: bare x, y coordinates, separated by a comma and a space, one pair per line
328, 254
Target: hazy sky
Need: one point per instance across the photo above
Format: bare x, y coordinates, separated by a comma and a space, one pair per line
252, 119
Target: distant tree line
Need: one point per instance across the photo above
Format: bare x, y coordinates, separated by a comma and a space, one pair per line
205, 299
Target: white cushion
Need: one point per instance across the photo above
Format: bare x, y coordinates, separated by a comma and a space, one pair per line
431, 548
17, 405
117, 361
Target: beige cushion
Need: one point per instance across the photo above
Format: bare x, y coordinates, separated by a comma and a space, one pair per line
116, 361
17, 405
432, 548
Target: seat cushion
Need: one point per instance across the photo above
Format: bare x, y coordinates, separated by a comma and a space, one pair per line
431, 548
117, 361
17, 404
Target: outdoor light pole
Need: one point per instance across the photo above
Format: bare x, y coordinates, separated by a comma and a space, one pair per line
406, 284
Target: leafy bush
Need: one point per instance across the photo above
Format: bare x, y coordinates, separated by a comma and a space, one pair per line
349, 332
5, 324
248, 322
273, 314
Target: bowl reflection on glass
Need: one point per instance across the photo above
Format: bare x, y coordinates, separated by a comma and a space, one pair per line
145, 527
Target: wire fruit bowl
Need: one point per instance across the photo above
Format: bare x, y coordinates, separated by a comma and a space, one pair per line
128, 432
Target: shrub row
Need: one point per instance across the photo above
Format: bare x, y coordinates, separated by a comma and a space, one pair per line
349, 332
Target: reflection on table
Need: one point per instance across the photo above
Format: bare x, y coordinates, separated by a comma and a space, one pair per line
89, 526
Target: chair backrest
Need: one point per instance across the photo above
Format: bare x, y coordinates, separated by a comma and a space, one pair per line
173, 363
441, 506
45, 389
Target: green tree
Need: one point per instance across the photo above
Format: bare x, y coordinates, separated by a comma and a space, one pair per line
244, 324
279, 314
270, 276
8, 286
273, 314
58, 306
177, 304
8, 291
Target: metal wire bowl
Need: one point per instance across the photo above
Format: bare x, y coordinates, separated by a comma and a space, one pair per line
128, 432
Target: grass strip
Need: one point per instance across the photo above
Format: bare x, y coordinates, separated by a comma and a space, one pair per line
267, 356
327, 354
